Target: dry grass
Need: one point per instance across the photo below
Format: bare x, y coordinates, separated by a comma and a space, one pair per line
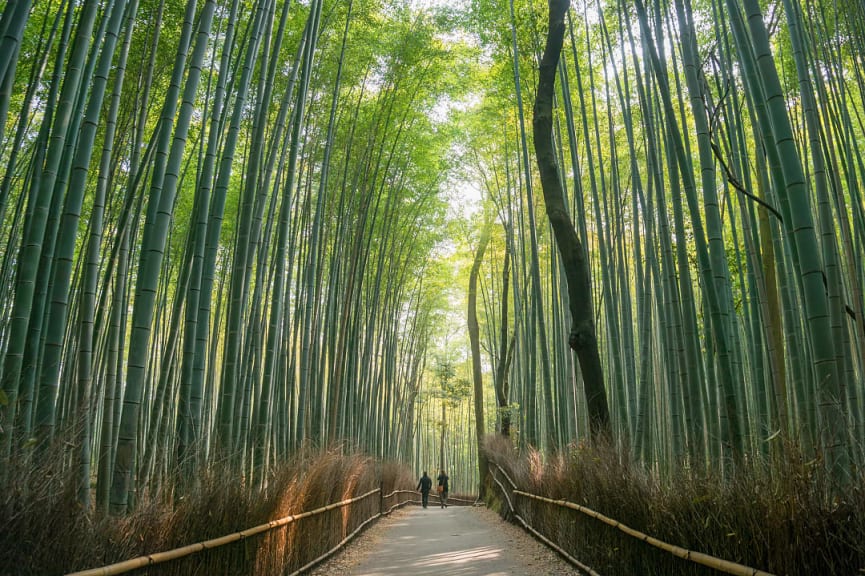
784, 517
44, 531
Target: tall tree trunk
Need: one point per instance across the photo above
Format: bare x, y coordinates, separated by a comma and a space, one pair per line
474, 337
501, 380
582, 339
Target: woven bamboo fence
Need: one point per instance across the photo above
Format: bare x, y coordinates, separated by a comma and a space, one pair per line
511, 492
169, 555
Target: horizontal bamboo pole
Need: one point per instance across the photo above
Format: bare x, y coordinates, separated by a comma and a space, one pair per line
587, 569
160, 557
342, 543
725, 566
505, 474
450, 498
399, 505
454, 498
356, 531
401, 492
505, 492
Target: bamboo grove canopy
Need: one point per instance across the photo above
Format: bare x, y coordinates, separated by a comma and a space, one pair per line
231, 228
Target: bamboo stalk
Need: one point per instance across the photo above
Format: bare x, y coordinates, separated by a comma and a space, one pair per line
160, 557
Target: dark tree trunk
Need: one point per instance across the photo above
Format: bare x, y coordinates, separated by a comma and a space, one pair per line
501, 381
475, 341
582, 339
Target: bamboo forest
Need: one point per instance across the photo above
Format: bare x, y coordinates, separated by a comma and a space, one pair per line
611, 245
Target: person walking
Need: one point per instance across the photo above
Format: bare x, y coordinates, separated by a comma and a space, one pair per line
443, 488
424, 485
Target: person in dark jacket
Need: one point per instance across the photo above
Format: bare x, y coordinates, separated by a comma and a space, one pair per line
424, 485
443, 488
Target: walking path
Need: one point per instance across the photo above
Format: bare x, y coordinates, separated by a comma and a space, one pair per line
457, 541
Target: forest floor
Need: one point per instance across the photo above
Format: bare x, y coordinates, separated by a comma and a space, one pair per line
458, 541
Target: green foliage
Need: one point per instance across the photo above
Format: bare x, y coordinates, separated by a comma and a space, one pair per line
373, 285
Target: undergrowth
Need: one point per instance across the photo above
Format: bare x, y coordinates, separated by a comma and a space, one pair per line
44, 531
783, 516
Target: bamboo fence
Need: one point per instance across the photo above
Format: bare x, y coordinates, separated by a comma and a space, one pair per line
718, 564
169, 555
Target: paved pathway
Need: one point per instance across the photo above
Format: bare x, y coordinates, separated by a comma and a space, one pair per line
456, 541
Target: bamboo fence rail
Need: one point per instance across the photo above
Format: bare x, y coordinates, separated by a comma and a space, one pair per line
718, 564
467, 501
564, 553
398, 504
161, 557
356, 531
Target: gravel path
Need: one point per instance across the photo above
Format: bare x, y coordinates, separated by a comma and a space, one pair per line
460, 541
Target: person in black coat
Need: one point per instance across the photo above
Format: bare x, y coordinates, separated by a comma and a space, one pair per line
424, 485
443, 488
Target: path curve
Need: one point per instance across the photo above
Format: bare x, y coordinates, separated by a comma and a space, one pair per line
457, 541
